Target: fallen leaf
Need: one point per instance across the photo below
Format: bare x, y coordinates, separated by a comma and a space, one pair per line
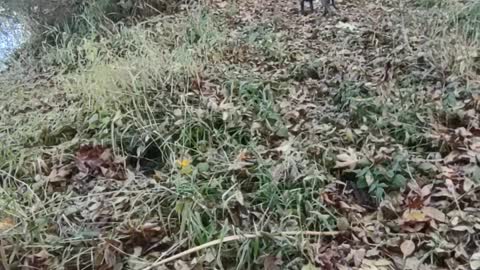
243, 160
434, 214
343, 224
413, 220
358, 256
348, 26
97, 160
407, 248
413, 215
468, 185
271, 263
347, 160
181, 265
6, 224
412, 263
38, 260
475, 261
309, 267
60, 174
463, 228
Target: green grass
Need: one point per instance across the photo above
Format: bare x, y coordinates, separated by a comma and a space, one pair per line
261, 115
431, 3
469, 20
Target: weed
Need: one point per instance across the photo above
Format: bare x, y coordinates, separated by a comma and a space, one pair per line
389, 175
469, 20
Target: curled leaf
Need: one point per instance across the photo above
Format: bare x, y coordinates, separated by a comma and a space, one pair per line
348, 159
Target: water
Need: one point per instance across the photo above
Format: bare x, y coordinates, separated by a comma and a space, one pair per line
12, 35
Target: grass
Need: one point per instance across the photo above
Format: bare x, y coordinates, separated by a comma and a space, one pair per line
227, 127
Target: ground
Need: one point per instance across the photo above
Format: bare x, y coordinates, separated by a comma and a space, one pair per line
243, 135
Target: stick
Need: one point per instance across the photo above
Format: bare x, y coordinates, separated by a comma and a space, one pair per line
236, 238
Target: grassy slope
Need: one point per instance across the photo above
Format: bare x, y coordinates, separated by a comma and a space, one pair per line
270, 110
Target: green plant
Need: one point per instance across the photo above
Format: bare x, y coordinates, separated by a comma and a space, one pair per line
385, 176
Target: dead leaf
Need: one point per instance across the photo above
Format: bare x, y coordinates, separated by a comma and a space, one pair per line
271, 262
348, 159
243, 160
475, 261
181, 265
463, 228
434, 214
407, 248
376, 264
347, 26
309, 267
97, 160
39, 261
413, 215
413, 220
343, 224
358, 256
60, 174
6, 224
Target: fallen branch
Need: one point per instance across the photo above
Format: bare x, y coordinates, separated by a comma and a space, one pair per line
237, 238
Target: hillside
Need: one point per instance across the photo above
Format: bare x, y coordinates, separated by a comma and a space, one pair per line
243, 135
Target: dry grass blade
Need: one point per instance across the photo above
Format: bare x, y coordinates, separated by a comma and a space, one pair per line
237, 238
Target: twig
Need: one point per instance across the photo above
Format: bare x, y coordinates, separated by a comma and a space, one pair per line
236, 238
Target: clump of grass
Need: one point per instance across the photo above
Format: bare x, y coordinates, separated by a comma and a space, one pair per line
468, 19
218, 143
133, 89
431, 3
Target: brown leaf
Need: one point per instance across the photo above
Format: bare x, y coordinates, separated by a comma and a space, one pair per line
60, 174
358, 256
97, 160
38, 261
413, 220
414, 216
146, 235
6, 224
407, 247
271, 263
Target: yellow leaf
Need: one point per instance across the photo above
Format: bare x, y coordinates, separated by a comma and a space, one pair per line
309, 267
414, 215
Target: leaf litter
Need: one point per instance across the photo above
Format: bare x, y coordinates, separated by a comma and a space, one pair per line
400, 178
